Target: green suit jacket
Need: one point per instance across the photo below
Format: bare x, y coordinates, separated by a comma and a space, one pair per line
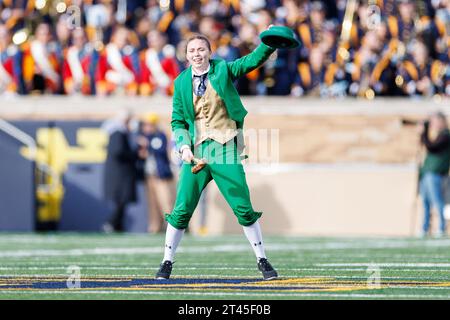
221, 76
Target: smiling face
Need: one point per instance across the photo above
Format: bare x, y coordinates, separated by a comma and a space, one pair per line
198, 54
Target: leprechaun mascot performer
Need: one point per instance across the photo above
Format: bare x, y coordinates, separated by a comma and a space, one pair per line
207, 121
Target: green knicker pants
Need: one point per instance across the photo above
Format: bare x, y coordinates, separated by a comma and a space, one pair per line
224, 166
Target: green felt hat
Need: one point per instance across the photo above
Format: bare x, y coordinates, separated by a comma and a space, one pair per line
279, 37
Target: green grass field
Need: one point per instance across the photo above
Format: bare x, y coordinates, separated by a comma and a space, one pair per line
35, 266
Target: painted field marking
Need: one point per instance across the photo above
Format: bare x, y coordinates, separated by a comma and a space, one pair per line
254, 294
150, 267
221, 285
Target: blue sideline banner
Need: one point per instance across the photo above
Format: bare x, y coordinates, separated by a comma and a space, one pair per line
70, 192
17, 193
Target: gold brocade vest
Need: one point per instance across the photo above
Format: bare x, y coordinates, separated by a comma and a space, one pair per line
211, 118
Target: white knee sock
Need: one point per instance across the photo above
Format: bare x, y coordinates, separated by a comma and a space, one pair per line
253, 233
173, 238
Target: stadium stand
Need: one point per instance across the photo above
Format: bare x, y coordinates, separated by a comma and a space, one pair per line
136, 47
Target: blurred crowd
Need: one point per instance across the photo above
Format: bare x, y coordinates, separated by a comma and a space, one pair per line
136, 47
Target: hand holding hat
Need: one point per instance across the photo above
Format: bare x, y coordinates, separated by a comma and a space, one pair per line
280, 37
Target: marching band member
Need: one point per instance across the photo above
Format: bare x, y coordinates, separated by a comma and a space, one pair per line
369, 71
118, 65
419, 75
159, 66
311, 31
315, 78
79, 68
41, 67
11, 80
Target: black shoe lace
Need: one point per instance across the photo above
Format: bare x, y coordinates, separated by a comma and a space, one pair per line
166, 266
265, 264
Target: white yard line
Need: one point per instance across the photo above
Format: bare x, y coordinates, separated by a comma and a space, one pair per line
150, 274
130, 251
151, 266
142, 250
238, 247
429, 277
392, 264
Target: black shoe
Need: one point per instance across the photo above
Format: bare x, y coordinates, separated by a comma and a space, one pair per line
165, 269
267, 270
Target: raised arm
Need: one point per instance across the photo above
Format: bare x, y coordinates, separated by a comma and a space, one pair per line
251, 61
